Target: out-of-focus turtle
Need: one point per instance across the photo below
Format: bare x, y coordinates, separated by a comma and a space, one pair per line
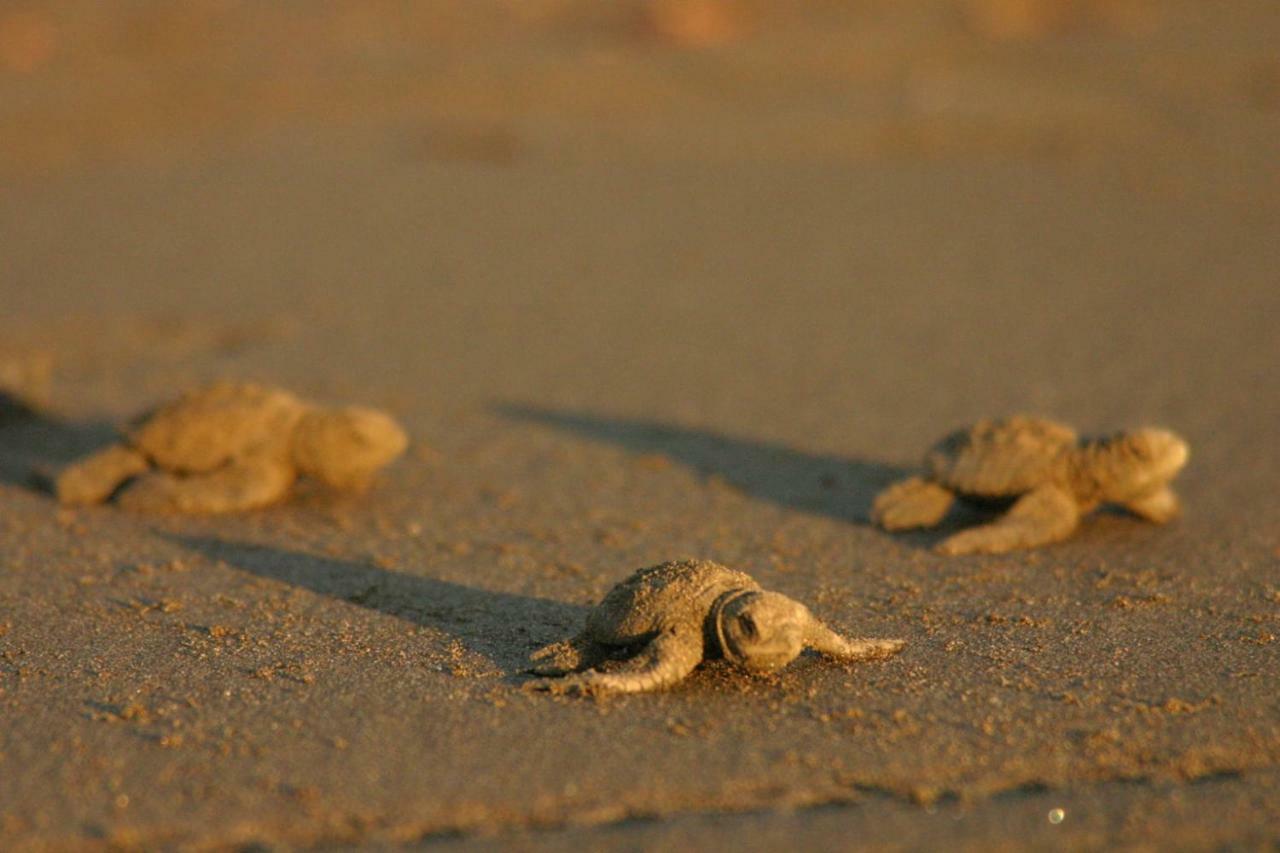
24, 380
233, 446
671, 616
1051, 476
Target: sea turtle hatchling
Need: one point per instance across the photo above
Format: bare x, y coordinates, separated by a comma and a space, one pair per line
1051, 476
233, 446
24, 380
671, 616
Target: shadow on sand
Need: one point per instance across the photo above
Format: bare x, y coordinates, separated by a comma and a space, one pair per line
834, 486
502, 626
35, 446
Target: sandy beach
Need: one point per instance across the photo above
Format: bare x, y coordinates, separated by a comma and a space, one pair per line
643, 281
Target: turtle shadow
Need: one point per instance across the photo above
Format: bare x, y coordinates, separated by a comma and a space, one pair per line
502, 626
36, 445
835, 486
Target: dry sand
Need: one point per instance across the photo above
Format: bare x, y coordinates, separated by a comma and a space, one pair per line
643, 285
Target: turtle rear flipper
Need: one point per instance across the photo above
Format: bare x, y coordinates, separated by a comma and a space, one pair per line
248, 484
93, 479
1041, 516
915, 502
572, 655
665, 661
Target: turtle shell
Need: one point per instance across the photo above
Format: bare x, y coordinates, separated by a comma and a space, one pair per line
658, 596
204, 429
1000, 458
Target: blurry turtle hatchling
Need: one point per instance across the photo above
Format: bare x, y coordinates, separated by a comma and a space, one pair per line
1050, 476
233, 446
24, 380
666, 619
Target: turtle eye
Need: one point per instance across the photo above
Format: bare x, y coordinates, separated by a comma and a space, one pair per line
748, 626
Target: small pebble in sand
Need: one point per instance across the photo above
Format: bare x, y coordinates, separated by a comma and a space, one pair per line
674, 615
233, 446
1051, 476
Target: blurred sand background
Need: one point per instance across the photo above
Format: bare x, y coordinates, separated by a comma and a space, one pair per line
644, 280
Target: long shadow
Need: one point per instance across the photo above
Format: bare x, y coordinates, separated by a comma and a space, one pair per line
834, 486
502, 626
35, 446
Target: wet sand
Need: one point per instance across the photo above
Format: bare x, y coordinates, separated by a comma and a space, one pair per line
642, 288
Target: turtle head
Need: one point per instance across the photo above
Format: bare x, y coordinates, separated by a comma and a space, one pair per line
759, 630
345, 447
1141, 462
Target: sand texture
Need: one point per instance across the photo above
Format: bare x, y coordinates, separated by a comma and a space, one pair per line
642, 282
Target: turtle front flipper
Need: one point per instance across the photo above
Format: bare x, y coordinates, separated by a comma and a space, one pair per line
823, 640
915, 502
665, 661
571, 655
93, 479
247, 484
1043, 515
1160, 506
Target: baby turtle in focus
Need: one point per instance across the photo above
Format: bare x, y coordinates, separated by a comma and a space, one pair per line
1051, 476
672, 616
233, 446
